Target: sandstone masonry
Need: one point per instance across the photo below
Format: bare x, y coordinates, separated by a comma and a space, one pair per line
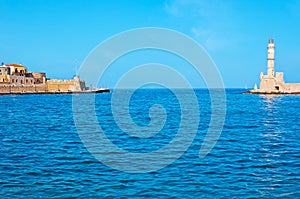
15, 79
273, 83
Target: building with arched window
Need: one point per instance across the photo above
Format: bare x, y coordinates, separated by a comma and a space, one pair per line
273, 82
14, 74
14, 78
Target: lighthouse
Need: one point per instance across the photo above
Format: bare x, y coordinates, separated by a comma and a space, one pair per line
271, 57
273, 83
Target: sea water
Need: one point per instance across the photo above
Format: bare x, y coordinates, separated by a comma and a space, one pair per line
256, 155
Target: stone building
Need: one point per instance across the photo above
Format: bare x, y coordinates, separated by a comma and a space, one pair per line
14, 78
273, 82
75, 84
14, 74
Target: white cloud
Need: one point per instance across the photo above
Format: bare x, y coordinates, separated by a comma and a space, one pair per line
210, 22
171, 8
198, 32
209, 39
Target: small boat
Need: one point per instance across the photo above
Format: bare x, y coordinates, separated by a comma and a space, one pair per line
255, 87
101, 90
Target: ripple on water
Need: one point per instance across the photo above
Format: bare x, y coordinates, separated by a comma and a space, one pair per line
257, 155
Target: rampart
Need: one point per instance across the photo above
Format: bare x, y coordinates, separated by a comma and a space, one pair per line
19, 89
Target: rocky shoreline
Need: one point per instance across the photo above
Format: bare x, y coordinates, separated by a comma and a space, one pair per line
272, 92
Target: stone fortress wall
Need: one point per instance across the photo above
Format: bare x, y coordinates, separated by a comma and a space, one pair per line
14, 78
55, 85
11, 89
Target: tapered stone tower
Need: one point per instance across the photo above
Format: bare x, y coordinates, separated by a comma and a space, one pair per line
271, 57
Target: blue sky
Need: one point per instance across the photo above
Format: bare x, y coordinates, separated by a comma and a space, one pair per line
56, 36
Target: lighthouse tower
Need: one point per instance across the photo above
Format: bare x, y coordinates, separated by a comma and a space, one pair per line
271, 57
273, 83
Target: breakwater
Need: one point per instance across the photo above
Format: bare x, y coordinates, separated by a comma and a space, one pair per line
41, 89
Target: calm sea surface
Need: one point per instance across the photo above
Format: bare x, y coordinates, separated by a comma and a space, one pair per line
257, 155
